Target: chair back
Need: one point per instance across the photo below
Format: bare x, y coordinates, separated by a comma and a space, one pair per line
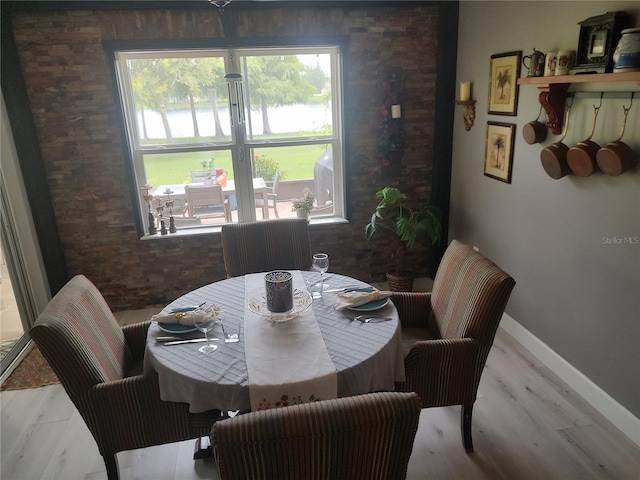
80, 338
204, 196
276, 180
365, 437
469, 295
266, 245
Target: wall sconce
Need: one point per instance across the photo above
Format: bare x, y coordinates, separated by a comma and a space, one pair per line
468, 105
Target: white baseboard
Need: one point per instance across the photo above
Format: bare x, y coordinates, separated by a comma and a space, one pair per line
618, 415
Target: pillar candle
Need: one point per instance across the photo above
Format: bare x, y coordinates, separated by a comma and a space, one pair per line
465, 91
396, 111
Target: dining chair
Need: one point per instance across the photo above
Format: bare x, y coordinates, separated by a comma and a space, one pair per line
272, 196
266, 245
364, 437
207, 201
447, 333
99, 364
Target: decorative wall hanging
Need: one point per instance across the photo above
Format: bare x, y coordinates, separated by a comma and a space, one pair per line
391, 142
499, 151
503, 86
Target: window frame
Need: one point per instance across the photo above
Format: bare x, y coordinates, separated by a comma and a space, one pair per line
136, 150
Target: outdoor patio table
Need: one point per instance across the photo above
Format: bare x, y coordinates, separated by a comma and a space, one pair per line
179, 195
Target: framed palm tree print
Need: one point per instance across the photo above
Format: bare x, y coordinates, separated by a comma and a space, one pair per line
503, 83
498, 161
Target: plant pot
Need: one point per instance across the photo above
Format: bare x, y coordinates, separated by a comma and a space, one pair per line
400, 283
302, 214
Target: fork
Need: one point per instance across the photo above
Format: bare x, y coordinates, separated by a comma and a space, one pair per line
367, 319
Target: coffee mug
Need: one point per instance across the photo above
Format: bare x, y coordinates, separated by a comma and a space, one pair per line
550, 64
565, 61
279, 291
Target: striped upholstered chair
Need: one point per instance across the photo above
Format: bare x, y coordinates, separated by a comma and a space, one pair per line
447, 334
366, 437
266, 245
99, 364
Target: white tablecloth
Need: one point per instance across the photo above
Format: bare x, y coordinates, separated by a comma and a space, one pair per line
366, 357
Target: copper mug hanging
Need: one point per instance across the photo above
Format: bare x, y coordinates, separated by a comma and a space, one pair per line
582, 156
554, 157
617, 157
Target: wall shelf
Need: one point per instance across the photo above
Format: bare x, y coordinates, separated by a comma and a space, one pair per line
553, 91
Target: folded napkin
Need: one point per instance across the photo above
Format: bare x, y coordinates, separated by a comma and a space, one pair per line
186, 318
355, 299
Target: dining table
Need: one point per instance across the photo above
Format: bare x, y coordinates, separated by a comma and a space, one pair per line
177, 193
363, 357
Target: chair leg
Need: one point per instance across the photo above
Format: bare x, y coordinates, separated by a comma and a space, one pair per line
465, 427
113, 471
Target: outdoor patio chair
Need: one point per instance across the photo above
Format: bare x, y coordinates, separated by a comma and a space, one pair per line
272, 196
205, 201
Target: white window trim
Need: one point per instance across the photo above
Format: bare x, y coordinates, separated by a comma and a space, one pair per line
241, 162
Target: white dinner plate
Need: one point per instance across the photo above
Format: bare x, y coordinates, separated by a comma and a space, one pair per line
369, 306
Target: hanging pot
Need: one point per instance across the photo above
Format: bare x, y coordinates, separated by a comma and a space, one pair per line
536, 131
617, 157
582, 156
554, 157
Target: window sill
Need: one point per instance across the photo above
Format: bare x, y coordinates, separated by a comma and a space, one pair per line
189, 232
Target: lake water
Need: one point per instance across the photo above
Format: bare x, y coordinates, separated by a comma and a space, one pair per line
287, 119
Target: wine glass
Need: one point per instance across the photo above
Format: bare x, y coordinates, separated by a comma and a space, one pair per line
204, 323
321, 264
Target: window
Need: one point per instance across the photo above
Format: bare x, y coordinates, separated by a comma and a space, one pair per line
264, 125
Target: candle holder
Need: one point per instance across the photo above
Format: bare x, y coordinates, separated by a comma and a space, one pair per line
468, 111
149, 199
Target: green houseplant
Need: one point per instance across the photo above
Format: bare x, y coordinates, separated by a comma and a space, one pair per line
409, 225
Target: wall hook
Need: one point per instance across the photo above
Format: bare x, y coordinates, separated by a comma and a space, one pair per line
598, 107
626, 109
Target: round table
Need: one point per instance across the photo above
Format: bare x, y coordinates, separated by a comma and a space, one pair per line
367, 357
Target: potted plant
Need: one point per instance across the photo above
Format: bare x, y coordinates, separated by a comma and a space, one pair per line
409, 225
303, 206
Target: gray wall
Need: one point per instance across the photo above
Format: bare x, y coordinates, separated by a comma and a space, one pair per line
577, 293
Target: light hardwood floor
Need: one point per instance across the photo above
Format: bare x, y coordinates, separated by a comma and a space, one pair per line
527, 425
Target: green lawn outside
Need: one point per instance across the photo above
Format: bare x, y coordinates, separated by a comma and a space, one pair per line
296, 162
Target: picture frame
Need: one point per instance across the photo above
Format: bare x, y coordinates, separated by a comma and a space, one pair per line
499, 145
503, 83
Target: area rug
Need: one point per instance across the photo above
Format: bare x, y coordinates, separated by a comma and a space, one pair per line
33, 372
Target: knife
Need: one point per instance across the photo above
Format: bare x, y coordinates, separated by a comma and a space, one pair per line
195, 340
344, 289
187, 309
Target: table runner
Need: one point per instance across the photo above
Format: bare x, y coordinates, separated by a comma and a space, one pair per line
287, 362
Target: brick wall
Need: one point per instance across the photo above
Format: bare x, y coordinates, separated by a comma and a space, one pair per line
71, 93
